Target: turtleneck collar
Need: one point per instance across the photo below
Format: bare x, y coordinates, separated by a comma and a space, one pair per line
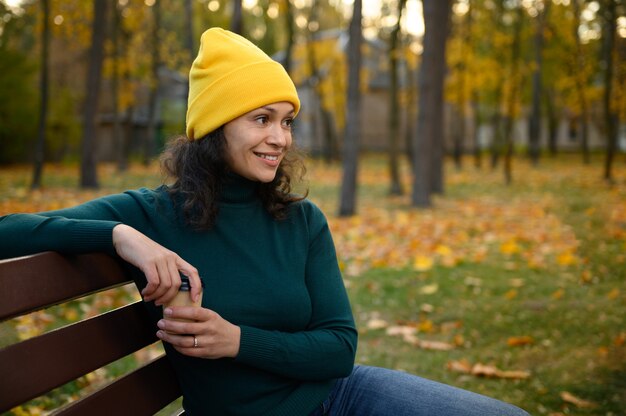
238, 190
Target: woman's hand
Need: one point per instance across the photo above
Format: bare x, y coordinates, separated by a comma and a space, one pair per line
213, 336
160, 265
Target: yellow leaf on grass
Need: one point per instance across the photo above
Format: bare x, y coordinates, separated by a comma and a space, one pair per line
613, 294
423, 263
511, 294
566, 259
426, 326
576, 401
509, 247
443, 250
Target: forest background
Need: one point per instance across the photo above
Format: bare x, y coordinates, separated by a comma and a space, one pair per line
493, 262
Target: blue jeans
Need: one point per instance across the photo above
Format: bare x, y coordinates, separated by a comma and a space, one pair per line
373, 391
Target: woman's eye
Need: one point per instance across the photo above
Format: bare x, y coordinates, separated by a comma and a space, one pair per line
288, 122
261, 119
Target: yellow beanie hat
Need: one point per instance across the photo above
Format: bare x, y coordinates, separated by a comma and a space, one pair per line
230, 77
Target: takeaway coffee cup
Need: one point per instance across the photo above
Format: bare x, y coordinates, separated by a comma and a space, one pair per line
183, 297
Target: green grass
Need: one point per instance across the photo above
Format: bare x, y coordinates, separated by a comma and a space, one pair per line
578, 325
574, 312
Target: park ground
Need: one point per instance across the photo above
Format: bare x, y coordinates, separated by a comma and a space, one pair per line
517, 292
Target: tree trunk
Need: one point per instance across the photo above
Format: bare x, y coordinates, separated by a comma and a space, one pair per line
553, 121
514, 84
125, 137
460, 135
610, 118
189, 45
43, 103
410, 119
89, 175
118, 134
428, 143
394, 108
347, 205
475, 97
497, 142
153, 99
534, 125
579, 72
289, 22
236, 24
329, 136
477, 151
497, 139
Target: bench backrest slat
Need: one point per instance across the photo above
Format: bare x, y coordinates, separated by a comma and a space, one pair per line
36, 366
35, 282
135, 394
40, 364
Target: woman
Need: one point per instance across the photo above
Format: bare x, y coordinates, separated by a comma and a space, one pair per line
275, 334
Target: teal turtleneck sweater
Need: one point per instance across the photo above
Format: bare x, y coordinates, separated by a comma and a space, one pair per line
278, 280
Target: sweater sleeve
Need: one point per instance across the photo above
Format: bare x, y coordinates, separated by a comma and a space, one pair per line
327, 347
82, 229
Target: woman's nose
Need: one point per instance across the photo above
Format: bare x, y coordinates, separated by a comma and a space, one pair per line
278, 136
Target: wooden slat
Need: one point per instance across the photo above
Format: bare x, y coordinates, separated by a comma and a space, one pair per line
35, 366
34, 282
145, 391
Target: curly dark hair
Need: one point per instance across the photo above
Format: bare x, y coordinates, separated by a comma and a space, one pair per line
198, 170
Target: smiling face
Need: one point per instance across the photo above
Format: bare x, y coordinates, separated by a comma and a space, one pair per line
257, 141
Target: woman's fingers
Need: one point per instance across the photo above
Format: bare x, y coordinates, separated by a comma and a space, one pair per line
160, 265
170, 283
194, 278
152, 277
216, 337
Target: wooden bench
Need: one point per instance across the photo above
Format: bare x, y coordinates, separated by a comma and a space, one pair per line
35, 366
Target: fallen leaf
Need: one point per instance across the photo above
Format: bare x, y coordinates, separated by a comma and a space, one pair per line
511, 294
519, 341
435, 345
566, 259
558, 294
377, 324
473, 281
576, 401
460, 366
401, 330
423, 263
515, 374
586, 276
483, 370
516, 282
429, 289
613, 294
509, 247
443, 250
427, 308
426, 326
